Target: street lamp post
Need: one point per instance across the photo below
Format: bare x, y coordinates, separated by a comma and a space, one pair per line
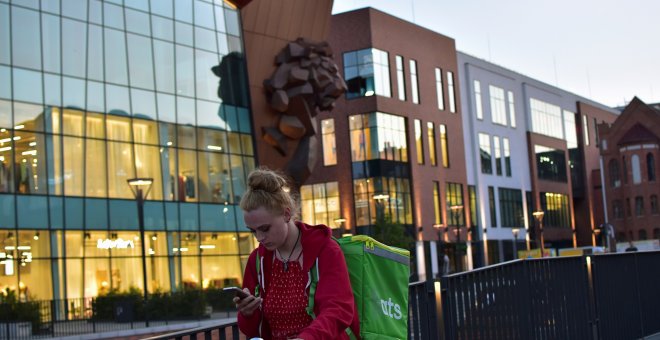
515, 232
538, 215
454, 214
140, 188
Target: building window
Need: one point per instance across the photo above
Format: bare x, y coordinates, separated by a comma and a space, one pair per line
369, 204
615, 176
625, 169
477, 100
511, 207
497, 105
329, 146
656, 233
414, 84
444, 146
596, 131
571, 130
472, 196
378, 135
319, 203
437, 204
556, 208
485, 154
550, 164
654, 204
400, 78
512, 109
498, 155
491, 206
546, 118
628, 209
642, 234
454, 193
617, 209
367, 72
439, 90
419, 143
430, 133
507, 156
639, 206
636, 170
450, 92
585, 128
650, 166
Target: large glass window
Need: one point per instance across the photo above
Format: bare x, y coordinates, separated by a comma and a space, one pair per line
414, 82
498, 155
419, 143
439, 90
550, 163
615, 176
367, 73
444, 145
329, 145
477, 100
491, 206
512, 109
654, 204
557, 210
639, 206
320, 203
636, 169
507, 156
485, 154
546, 118
377, 197
472, 197
26, 38
585, 129
430, 133
400, 78
497, 105
451, 92
378, 136
437, 203
650, 166
617, 209
455, 204
511, 208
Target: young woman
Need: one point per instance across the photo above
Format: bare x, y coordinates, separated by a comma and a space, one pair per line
277, 276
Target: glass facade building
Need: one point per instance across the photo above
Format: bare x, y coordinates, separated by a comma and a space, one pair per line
94, 93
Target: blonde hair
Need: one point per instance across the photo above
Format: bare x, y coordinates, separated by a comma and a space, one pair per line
269, 189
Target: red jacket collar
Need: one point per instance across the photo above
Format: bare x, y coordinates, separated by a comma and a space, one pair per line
313, 238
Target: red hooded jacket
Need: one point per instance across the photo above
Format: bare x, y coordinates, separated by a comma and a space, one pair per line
334, 305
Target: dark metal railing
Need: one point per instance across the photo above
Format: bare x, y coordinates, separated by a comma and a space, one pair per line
612, 296
222, 331
60, 318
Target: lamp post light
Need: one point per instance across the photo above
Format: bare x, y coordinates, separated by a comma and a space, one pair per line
455, 209
515, 232
538, 215
140, 188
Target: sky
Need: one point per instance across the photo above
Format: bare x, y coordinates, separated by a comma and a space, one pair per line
604, 50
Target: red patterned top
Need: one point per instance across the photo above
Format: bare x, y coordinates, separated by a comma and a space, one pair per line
286, 300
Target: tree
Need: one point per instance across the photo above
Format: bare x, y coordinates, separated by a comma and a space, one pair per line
391, 233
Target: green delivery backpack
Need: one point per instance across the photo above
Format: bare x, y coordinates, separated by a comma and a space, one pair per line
379, 278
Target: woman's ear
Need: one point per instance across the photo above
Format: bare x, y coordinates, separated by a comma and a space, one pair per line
287, 215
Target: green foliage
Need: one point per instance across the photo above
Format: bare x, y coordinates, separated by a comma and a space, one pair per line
13, 310
392, 233
219, 300
182, 304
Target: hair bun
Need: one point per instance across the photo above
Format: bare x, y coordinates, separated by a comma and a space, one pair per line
266, 180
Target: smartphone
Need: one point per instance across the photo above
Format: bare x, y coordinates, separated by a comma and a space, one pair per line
239, 292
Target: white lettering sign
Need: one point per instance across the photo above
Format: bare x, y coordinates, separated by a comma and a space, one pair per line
112, 244
386, 306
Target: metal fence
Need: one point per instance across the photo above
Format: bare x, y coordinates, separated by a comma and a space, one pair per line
612, 296
60, 318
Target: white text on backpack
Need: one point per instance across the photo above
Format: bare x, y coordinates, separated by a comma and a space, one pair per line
386, 306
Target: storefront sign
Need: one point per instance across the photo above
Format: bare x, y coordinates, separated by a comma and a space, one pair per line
112, 244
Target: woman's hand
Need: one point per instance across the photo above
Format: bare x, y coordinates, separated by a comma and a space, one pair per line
248, 305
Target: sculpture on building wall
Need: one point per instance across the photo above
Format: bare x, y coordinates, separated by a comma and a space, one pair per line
305, 82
